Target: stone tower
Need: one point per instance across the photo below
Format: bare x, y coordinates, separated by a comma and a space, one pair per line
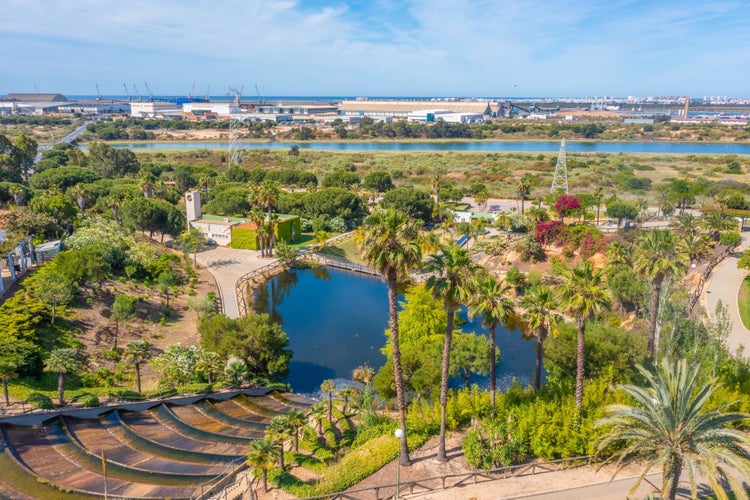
193, 205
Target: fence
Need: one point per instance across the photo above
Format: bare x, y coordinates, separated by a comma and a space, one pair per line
242, 287
436, 483
220, 482
695, 297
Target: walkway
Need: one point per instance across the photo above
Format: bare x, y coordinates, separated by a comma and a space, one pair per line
724, 286
227, 265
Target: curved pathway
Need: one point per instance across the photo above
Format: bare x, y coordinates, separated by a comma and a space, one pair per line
227, 265
724, 286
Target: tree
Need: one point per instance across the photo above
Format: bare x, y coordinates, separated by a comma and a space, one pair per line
583, 294
565, 205
491, 299
123, 309
318, 413
266, 195
659, 258
329, 387
450, 283
671, 426
201, 304
23, 154
389, 242
379, 181
297, 419
136, 353
7, 372
255, 338
346, 393
192, 241
470, 355
210, 364
110, 162
62, 361
523, 188
167, 280
413, 202
235, 371
539, 304
621, 210
261, 456
53, 289
278, 431
597, 197
715, 221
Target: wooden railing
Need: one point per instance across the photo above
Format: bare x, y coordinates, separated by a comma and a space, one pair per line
436, 483
696, 295
242, 288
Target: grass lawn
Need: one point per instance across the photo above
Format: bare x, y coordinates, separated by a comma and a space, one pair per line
743, 301
346, 249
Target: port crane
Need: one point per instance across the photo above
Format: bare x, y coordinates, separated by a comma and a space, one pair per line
140, 98
127, 92
98, 92
150, 94
208, 93
261, 95
192, 90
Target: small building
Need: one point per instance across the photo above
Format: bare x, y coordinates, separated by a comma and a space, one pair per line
155, 109
236, 232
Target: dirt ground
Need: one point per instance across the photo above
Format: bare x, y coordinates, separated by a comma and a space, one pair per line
97, 330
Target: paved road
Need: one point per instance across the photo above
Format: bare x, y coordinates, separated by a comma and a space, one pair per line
68, 139
724, 286
228, 265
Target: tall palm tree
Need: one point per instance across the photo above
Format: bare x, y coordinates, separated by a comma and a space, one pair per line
539, 305
523, 188
62, 361
670, 427
695, 246
136, 353
297, 419
389, 242
597, 196
279, 431
329, 387
659, 257
346, 394
450, 283
266, 194
685, 223
261, 456
7, 372
583, 294
318, 413
491, 299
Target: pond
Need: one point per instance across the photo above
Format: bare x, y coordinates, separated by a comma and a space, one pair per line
336, 320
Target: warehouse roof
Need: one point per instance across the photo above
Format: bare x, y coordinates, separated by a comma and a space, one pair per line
407, 106
36, 97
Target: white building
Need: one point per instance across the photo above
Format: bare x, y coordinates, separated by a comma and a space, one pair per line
155, 109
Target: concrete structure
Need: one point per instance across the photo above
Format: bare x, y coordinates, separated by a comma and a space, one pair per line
155, 109
95, 107
296, 109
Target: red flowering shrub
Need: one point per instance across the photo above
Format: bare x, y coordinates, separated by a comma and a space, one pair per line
566, 204
547, 232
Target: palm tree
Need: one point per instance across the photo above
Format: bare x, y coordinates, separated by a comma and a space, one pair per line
78, 192
539, 304
297, 419
597, 197
266, 195
7, 372
136, 353
346, 393
389, 242
523, 188
210, 363
317, 413
363, 373
658, 258
685, 223
491, 299
450, 282
620, 253
261, 456
715, 221
695, 246
278, 431
583, 294
329, 387
671, 427
62, 361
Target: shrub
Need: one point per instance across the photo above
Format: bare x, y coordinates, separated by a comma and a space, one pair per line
88, 400
491, 444
40, 401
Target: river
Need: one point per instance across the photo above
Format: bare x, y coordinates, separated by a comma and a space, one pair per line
691, 148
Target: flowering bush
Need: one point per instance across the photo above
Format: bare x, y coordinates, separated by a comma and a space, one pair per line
547, 232
566, 204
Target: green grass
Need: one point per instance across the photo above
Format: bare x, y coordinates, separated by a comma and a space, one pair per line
304, 240
743, 302
346, 249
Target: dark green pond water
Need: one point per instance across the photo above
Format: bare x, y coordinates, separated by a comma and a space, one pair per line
336, 320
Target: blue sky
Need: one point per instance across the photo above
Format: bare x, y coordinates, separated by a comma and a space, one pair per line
378, 47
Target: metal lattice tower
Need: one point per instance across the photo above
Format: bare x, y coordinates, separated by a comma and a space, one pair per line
560, 181
234, 156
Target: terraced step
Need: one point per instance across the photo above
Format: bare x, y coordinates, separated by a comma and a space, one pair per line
44, 458
64, 441
234, 408
256, 429
147, 427
94, 436
254, 405
291, 399
271, 404
164, 415
194, 416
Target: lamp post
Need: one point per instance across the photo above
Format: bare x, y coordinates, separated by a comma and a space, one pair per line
399, 433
